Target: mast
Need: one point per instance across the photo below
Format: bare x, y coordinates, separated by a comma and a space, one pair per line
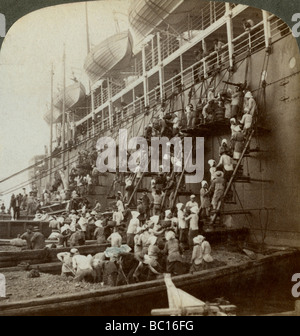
64, 109
51, 127
90, 85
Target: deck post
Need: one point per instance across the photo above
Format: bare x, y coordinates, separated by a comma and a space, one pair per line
145, 82
110, 109
267, 28
181, 70
229, 33
161, 70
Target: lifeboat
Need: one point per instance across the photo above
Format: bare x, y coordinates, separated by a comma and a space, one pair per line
75, 94
110, 56
56, 116
145, 15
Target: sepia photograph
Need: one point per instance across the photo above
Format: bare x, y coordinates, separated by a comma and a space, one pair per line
149, 161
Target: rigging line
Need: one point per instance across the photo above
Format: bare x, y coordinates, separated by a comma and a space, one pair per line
47, 174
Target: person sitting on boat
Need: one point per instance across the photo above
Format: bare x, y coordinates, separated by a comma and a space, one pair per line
77, 238
115, 239
27, 236
173, 251
67, 262
65, 234
37, 240
82, 266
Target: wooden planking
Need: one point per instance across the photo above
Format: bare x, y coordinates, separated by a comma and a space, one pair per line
112, 295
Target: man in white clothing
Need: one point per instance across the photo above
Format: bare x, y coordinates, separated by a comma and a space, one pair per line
83, 269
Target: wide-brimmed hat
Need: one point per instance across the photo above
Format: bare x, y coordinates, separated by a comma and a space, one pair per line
193, 196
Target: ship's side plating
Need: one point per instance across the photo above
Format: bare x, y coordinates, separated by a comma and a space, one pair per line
275, 168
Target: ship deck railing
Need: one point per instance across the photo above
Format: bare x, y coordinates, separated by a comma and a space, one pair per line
204, 68
241, 46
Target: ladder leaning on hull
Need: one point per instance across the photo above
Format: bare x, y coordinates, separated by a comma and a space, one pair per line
233, 176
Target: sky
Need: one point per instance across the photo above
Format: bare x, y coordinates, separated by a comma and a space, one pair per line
30, 47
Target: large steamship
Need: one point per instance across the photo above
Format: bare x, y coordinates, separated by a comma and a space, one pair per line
167, 60
157, 63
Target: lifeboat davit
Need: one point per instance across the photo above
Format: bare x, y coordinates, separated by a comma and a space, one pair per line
110, 56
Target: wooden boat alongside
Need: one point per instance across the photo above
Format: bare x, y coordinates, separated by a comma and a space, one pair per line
56, 208
183, 304
110, 56
142, 297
